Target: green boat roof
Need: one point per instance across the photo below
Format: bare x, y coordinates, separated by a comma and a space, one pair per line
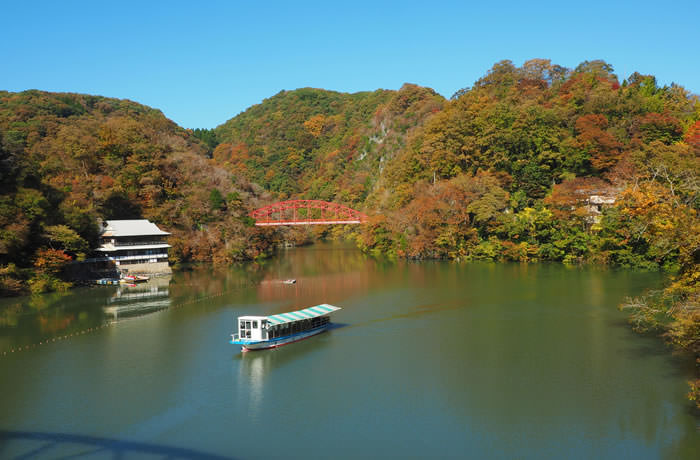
307, 313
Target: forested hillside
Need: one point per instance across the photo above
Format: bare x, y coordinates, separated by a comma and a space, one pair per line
504, 170
69, 160
313, 143
507, 169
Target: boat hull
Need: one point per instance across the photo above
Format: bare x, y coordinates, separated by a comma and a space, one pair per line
250, 345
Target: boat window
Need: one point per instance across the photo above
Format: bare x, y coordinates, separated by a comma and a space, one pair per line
247, 324
255, 324
242, 324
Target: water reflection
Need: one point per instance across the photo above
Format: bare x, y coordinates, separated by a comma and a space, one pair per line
139, 299
320, 286
255, 368
480, 360
33, 320
252, 371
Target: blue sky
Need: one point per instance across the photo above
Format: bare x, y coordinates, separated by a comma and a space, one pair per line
203, 64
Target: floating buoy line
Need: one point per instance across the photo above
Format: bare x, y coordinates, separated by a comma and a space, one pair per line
60, 338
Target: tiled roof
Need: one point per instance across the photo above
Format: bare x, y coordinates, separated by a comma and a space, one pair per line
135, 227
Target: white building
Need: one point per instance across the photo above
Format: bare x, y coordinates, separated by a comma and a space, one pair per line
595, 204
135, 246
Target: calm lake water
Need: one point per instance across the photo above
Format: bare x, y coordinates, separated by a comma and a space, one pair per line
429, 359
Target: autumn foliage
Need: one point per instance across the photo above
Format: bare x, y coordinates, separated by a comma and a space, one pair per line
69, 160
531, 163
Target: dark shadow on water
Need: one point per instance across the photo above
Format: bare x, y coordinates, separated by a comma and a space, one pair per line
693, 410
333, 326
84, 446
651, 343
680, 364
617, 323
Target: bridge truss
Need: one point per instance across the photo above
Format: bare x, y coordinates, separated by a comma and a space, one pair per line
306, 212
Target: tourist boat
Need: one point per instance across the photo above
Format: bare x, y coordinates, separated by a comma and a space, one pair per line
261, 332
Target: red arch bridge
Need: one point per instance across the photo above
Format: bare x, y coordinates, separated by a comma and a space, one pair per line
306, 212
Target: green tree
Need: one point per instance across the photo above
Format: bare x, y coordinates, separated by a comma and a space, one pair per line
216, 200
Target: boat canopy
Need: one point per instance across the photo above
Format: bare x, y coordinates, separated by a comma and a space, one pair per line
307, 313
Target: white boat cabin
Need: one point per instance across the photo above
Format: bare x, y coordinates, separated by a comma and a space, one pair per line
252, 327
255, 328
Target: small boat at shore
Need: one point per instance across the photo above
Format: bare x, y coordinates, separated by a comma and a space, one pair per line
130, 279
261, 332
289, 281
108, 281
